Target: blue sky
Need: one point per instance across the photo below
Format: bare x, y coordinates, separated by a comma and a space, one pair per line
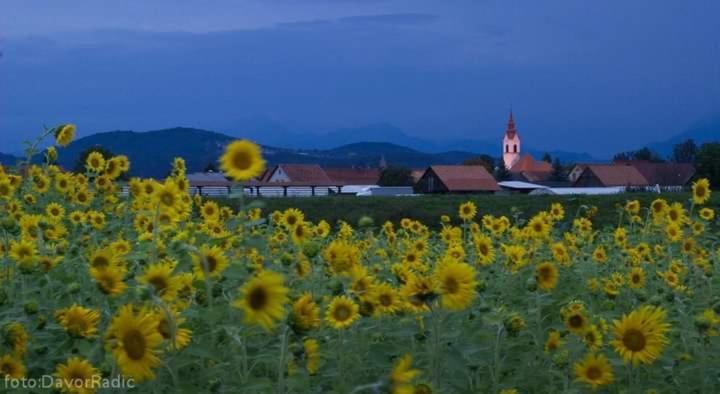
598, 77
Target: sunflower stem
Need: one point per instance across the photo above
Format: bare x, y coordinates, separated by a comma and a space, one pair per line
281, 362
496, 359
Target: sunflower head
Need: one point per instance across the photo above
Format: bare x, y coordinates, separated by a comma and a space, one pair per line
242, 160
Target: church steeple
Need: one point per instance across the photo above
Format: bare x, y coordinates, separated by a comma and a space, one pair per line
511, 131
511, 143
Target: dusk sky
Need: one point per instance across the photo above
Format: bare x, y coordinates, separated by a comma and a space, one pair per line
581, 76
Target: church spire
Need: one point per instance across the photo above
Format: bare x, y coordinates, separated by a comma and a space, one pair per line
511, 131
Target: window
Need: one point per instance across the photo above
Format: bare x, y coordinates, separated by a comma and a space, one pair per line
507, 148
515, 148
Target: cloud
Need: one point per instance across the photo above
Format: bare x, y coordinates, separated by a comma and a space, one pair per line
401, 19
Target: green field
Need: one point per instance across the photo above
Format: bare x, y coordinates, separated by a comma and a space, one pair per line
429, 208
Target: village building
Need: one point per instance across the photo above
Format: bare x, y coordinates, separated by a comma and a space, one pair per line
667, 176
457, 179
522, 167
610, 175
209, 183
511, 144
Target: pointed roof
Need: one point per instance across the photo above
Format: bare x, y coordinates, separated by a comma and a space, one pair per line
511, 131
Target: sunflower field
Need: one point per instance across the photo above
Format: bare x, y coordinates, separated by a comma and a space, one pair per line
173, 293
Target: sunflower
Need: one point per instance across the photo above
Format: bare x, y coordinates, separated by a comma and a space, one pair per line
594, 370
6, 189
210, 259
701, 191
419, 290
484, 249
599, 254
546, 275
640, 336
632, 207
95, 162
77, 375
342, 312
160, 277
673, 232
134, 340
104, 258
456, 284
263, 299
55, 211
593, 338
64, 134
560, 253
557, 211
676, 213
109, 280
292, 217
167, 195
467, 211
636, 278
16, 337
554, 341
306, 313
576, 321
24, 251
707, 214
78, 321
312, 357
386, 299
210, 211
169, 321
402, 374
242, 160
11, 367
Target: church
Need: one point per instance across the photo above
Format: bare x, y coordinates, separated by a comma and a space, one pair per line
522, 167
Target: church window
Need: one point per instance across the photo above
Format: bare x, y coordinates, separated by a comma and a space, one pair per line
515, 148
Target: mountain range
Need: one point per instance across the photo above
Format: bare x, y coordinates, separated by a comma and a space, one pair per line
151, 153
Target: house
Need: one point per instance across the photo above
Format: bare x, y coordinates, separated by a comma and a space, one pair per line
209, 183
577, 170
457, 179
610, 175
286, 180
528, 169
298, 173
665, 175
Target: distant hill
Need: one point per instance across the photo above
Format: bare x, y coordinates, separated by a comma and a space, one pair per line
8, 160
701, 132
151, 153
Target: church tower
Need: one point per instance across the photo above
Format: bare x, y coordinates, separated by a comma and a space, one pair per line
511, 144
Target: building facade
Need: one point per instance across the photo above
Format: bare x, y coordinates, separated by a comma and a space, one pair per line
511, 144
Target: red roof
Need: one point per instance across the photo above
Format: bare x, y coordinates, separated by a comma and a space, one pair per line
354, 176
663, 174
465, 178
616, 175
302, 173
528, 164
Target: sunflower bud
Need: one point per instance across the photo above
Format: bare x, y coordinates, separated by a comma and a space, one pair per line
31, 307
